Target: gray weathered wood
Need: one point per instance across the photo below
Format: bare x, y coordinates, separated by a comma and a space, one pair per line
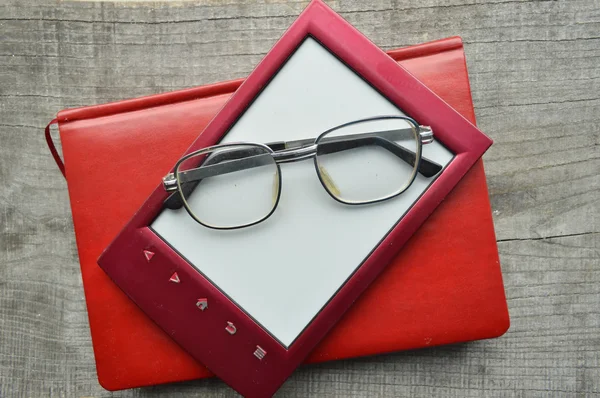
536, 84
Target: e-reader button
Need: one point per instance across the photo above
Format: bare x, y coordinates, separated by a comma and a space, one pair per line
202, 304
148, 255
260, 352
230, 328
174, 278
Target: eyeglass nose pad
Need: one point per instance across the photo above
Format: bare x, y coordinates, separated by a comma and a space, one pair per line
328, 181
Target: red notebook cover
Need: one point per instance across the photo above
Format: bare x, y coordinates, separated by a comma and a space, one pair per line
444, 287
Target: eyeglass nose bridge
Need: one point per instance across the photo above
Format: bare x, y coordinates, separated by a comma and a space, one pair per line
292, 155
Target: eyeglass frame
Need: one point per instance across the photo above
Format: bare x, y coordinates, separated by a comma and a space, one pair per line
171, 182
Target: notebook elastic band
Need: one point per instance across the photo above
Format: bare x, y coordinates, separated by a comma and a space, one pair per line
52, 147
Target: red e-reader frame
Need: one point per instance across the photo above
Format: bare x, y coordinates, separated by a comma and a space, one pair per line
200, 317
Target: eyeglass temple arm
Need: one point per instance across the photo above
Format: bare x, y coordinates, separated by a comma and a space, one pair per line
385, 139
213, 166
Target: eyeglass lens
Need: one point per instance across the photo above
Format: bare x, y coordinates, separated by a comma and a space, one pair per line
368, 161
230, 187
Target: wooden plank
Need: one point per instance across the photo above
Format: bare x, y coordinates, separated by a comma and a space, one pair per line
535, 81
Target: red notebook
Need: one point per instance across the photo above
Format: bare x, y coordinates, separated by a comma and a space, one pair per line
444, 287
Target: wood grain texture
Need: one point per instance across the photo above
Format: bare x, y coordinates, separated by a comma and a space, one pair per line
536, 84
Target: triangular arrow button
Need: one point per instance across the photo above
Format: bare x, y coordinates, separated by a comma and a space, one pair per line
174, 278
148, 254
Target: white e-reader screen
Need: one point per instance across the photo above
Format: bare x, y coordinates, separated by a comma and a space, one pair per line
284, 270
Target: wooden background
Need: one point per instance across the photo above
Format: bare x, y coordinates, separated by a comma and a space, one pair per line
534, 67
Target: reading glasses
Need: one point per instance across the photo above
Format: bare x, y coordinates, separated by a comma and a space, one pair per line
237, 185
